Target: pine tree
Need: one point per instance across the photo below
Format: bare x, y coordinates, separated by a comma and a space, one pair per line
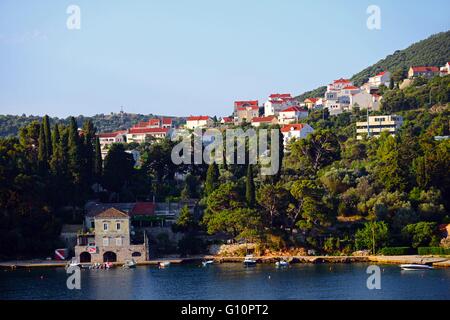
250, 187
47, 136
212, 177
98, 163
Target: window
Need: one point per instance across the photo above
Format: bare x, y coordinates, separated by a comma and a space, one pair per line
119, 241
105, 227
118, 225
92, 224
105, 242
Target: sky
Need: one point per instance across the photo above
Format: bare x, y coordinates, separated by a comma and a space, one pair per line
193, 57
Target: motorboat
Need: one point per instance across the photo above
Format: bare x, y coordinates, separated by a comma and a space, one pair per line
249, 261
73, 263
164, 264
415, 267
282, 264
129, 264
207, 263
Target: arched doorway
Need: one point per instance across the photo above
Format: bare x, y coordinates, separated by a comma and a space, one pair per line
85, 257
109, 256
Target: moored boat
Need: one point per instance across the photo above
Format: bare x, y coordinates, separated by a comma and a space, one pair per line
415, 267
207, 263
282, 264
164, 264
130, 264
249, 261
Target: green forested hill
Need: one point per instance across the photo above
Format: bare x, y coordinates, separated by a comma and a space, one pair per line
10, 124
433, 51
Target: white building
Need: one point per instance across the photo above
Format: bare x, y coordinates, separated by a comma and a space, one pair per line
295, 131
199, 122
278, 102
365, 100
106, 139
377, 125
291, 114
140, 135
381, 78
445, 70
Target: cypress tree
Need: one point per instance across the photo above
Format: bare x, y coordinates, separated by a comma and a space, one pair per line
47, 136
98, 163
212, 176
74, 154
250, 187
56, 159
88, 148
42, 152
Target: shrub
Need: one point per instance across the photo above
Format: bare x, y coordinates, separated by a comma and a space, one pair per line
423, 251
396, 251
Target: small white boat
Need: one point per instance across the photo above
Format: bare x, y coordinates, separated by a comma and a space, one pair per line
130, 264
249, 261
164, 264
73, 263
282, 264
415, 267
207, 263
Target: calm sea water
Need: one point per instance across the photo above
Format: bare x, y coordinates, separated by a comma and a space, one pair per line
228, 281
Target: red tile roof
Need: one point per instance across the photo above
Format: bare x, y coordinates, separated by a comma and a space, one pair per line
143, 209
342, 80
111, 213
351, 88
148, 130
197, 118
167, 121
425, 69
381, 74
245, 103
264, 119
111, 134
312, 100
292, 127
293, 109
227, 119
280, 96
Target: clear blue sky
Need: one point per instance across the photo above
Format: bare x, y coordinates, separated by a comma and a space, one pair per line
191, 57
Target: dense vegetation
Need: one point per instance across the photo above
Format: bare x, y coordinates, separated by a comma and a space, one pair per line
429, 52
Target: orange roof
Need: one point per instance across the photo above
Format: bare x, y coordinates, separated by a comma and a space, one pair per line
111, 134
197, 118
246, 103
292, 127
342, 80
264, 119
148, 130
311, 100
293, 109
111, 213
351, 88
425, 69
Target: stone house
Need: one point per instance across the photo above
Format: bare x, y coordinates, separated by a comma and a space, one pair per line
109, 241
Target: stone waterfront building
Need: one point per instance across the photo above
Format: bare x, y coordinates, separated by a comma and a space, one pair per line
109, 240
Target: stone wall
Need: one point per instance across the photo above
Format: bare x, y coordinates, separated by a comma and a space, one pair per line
122, 253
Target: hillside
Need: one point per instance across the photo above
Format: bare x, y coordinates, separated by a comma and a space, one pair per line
10, 124
433, 51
